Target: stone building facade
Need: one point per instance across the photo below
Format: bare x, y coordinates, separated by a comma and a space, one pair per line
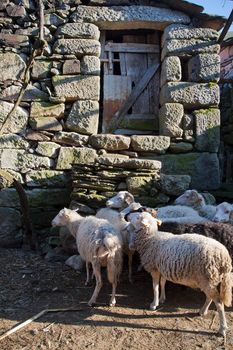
226, 107
58, 128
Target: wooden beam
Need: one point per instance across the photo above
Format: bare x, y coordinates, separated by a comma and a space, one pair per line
138, 89
132, 47
226, 28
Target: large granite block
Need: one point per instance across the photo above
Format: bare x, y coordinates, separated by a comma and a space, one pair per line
78, 47
122, 17
202, 167
207, 123
75, 87
12, 66
204, 68
84, 117
17, 122
170, 118
191, 95
79, 31
171, 70
157, 144
188, 47
75, 155
110, 142
181, 32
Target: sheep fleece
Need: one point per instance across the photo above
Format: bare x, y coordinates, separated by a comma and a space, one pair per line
186, 259
91, 229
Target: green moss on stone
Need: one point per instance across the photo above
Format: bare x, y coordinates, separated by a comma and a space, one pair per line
139, 124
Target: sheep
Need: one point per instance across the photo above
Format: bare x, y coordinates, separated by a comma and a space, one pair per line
169, 213
195, 200
222, 232
224, 213
189, 259
99, 243
118, 221
122, 200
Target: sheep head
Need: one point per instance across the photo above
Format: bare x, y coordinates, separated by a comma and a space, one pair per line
141, 220
121, 200
63, 217
190, 198
224, 213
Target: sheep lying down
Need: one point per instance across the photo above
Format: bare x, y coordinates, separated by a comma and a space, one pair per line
224, 213
189, 259
99, 243
170, 213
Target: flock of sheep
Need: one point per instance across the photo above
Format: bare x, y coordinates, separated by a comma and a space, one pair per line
124, 226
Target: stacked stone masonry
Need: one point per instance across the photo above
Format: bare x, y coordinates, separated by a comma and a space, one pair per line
55, 128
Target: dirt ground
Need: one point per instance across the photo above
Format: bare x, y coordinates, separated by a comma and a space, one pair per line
29, 284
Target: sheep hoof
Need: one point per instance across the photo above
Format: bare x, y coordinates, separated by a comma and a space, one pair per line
162, 300
153, 307
91, 303
89, 283
131, 280
222, 331
112, 303
203, 312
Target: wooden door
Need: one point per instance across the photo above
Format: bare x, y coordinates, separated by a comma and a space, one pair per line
126, 65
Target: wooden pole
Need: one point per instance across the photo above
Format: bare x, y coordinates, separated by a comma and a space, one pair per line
226, 28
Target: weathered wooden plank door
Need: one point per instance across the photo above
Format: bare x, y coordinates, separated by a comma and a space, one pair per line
125, 64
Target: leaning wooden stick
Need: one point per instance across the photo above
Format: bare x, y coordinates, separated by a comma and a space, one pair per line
33, 318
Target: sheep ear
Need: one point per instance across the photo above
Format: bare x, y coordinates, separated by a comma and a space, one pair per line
159, 222
129, 198
77, 209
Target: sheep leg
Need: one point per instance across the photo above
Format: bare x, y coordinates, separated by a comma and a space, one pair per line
155, 277
88, 274
97, 273
113, 296
162, 291
130, 260
112, 277
223, 323
204, 309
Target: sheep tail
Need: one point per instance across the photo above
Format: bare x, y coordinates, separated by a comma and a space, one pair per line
226, 289
114, 266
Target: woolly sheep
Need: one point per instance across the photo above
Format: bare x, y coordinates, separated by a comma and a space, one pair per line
169, 213
189, 259
222, 232
224, 213
195, 200
118, 221
99, 243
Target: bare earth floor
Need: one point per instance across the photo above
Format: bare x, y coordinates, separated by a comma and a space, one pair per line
29, 284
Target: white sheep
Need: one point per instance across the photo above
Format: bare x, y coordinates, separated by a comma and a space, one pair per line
119, 202
169, 213
122, 200
189, 259
98, 243
224, 213
195, 200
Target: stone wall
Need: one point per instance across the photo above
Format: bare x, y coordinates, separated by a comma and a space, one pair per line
55, 128
226, 107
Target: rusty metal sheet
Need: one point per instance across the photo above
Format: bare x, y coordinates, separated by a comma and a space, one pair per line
117, 89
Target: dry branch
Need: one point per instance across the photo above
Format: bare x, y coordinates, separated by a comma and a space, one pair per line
33, 318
